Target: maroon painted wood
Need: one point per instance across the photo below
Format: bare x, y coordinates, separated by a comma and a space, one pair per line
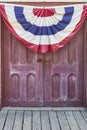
51, 79
85, 62
63, 75
23, 75
0, 66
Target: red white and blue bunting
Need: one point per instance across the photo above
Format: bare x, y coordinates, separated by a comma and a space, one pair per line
43, 29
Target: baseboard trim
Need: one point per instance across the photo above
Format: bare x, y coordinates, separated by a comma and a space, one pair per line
44, 108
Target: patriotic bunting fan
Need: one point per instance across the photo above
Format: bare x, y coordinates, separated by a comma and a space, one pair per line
43, 29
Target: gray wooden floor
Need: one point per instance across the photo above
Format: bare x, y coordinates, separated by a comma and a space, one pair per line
43, 120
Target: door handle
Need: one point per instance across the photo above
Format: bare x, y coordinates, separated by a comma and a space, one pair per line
39, 60
47, 60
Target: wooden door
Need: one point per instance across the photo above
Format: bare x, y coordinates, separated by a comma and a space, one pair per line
51, 79
64, 74
23, 75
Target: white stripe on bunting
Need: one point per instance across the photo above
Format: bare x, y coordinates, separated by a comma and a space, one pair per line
44, 39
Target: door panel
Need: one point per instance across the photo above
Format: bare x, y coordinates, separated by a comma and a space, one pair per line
23, 74
63, 75
51, 79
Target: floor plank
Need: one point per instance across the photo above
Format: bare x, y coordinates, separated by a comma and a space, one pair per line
36, 120
54, 121
18, 120
63, 120
45, 120
3, 115
9, 120
84, 114
72, 122
27, 120
82, 124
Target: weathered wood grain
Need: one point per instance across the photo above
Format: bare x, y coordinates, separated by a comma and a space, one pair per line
3, 115
72, 122
18, 120
36, 120
27, 120
84, 114
54, 121
9, 120
63, 120
45, 120
80, 120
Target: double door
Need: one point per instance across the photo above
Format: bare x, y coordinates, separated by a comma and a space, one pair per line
35, 79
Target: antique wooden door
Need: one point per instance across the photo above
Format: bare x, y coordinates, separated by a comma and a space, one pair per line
63, 75
23, 74
34, 79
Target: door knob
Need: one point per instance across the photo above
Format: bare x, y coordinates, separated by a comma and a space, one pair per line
39, 60
47, 60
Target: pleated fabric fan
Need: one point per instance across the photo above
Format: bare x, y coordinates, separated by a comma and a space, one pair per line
43, 29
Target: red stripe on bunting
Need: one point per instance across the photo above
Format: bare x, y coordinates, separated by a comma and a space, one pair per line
44, 48
43, 12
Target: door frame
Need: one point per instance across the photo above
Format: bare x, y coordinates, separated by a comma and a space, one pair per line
0, 67
85, 64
